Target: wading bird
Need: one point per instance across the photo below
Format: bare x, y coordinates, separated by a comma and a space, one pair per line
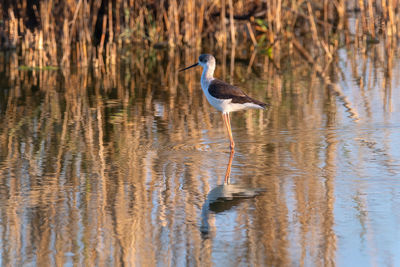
223, 96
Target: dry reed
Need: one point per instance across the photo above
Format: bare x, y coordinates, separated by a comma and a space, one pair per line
61, 33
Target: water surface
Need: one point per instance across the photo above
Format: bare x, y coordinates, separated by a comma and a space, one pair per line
115, 166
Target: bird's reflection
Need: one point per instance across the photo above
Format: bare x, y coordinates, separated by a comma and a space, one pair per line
224, 197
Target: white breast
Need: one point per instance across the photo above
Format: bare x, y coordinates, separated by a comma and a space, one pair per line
219, 104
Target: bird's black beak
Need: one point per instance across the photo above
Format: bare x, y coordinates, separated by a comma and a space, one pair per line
194, 65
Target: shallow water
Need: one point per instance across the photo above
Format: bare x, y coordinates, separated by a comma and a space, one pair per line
117, 168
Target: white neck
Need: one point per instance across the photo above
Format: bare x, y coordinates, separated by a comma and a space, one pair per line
207, 76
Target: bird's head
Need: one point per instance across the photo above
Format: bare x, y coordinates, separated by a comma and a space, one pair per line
205, 60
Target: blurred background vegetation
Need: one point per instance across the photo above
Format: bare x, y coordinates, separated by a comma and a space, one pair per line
92, 32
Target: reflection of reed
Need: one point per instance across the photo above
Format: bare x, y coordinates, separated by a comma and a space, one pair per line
331, 85
93, 170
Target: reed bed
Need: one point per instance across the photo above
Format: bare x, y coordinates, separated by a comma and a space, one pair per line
82, 33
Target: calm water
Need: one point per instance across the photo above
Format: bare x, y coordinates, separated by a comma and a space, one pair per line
126, 165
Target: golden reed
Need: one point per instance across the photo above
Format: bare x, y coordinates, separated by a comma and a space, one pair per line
56, 33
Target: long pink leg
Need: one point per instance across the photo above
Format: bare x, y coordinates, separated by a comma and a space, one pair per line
227, 121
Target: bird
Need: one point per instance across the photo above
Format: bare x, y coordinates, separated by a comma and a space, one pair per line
223, 96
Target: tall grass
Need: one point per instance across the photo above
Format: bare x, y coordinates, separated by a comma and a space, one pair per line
56, 32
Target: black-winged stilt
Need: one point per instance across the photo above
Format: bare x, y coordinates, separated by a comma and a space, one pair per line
223, 96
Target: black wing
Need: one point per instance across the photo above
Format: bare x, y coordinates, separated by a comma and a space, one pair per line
223, 90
